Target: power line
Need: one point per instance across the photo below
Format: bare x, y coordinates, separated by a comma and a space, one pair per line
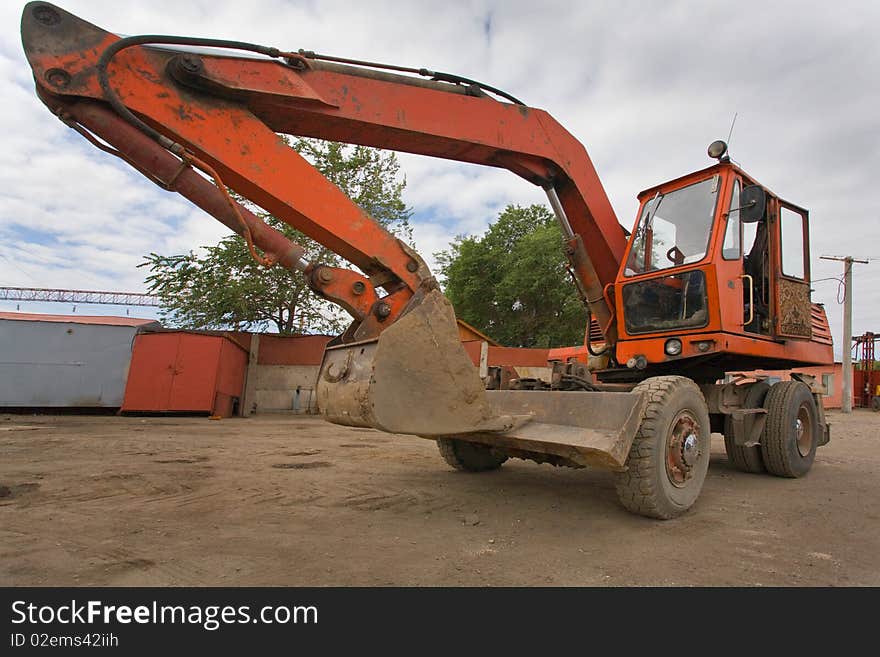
846, 389
14, 264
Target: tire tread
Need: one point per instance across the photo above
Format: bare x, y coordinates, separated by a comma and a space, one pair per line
637, 486
774, 441
469, 457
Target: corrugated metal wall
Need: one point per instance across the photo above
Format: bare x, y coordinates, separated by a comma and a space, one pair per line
45, 364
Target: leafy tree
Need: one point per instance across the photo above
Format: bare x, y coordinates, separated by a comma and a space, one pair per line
512, 282
222, 287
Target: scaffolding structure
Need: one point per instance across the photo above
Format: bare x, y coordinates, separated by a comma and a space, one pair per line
866, 376
78, 296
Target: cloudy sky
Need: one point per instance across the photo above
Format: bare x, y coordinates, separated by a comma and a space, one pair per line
644, 85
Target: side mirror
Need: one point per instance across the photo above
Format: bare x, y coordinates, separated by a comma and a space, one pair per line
753, 201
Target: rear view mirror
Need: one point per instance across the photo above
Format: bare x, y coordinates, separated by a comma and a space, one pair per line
753, 201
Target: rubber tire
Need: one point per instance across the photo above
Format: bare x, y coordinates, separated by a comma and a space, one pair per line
644, 488
779, 440
469, 457
746, 459
875, 404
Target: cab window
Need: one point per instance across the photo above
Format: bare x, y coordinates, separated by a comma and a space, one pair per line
674, 228
730, 250
791, 228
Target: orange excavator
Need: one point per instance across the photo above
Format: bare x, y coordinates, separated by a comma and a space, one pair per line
713, 278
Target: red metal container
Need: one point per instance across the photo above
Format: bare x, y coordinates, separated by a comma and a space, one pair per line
179, 371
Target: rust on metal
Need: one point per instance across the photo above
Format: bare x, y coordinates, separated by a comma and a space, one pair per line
682, 448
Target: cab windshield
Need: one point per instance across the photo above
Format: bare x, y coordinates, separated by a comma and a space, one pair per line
674, 228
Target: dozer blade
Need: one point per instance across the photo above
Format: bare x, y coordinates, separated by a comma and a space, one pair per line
416, 378
577, 428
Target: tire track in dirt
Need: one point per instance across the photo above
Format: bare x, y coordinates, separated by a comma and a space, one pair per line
367, 497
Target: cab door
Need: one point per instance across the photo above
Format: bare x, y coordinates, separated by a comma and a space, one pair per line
792, 272
746, 246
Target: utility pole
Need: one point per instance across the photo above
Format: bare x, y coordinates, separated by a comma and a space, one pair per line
846, 387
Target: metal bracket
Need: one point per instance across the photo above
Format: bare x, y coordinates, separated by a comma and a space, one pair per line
738, 418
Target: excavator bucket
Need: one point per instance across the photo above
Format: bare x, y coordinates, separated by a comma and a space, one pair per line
417, 379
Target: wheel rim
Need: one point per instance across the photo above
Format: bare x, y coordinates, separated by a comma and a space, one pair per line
804, 431
683, 450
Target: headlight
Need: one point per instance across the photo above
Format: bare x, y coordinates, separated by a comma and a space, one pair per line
673, 347
717, 149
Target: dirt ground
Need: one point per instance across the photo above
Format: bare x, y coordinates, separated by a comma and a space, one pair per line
283, 500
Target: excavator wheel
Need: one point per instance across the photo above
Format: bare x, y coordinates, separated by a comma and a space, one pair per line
791, 433
746, 459
669, 456
469, 457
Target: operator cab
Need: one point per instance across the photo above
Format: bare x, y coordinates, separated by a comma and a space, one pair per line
714, 252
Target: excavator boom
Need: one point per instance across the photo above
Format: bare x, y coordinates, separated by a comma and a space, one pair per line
203, 122
226, 110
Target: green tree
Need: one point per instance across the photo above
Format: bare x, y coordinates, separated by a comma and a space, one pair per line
512, 282
222, 287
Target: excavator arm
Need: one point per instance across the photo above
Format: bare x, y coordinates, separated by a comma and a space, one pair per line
224, 111
203, 122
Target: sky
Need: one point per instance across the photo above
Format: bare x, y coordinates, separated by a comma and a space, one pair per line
645, 86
